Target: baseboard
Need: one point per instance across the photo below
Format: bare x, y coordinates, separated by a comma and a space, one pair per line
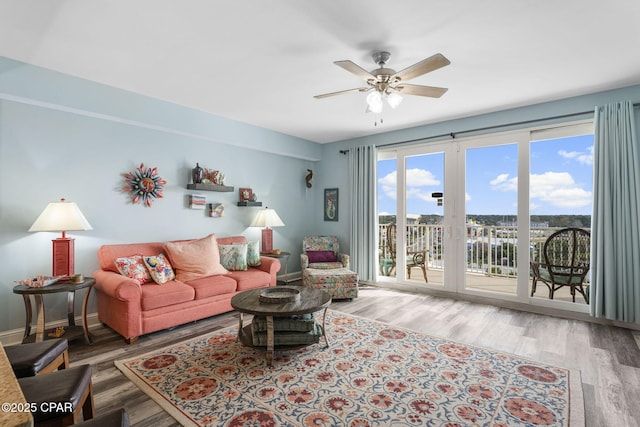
14, 336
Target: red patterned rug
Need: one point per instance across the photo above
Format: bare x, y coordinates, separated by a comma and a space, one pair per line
373, 374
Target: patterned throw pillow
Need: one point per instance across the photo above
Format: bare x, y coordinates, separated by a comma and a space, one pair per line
133, 267
159, 268
253, 254
234, 257
321, 256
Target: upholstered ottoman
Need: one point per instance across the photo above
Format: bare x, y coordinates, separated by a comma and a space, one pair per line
341, 283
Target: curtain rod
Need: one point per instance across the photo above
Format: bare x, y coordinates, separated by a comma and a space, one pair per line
453, 135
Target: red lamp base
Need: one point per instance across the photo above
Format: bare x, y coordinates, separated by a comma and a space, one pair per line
267, 240
63, 256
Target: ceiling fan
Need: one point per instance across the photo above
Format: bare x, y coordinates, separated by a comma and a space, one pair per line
387, 83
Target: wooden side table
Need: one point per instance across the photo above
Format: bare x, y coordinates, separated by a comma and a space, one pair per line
72, 331
281, 256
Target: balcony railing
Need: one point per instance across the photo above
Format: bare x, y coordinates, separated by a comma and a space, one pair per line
491, 250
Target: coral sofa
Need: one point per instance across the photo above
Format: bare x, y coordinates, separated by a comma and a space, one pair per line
192, 285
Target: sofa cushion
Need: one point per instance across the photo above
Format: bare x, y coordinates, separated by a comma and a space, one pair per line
171, 293
159, 268
234, 257
193, 259
253, 254
212, 285
250, 279
134, 268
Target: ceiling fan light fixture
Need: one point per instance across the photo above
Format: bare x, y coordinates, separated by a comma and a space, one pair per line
385, 83
394, 99
374, 101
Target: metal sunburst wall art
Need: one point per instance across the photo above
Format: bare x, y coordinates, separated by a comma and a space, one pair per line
144, 185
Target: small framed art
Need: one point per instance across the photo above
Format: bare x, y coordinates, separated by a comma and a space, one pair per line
330, 204
246, 194
198, 201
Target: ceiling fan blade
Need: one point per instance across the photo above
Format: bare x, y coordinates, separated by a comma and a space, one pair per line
423, 67
326, 95
430, 91
354, 68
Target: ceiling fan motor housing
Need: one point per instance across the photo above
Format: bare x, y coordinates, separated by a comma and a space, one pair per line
383, 81
380, 58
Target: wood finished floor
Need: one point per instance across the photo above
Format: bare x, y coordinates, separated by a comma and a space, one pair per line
608, 357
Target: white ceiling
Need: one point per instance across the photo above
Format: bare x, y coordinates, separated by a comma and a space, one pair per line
261, 61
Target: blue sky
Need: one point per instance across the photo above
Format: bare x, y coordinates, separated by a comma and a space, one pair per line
560, 180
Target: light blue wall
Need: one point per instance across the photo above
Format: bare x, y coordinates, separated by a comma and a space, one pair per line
65, 137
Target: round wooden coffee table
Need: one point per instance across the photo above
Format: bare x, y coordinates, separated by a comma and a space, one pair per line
308, 300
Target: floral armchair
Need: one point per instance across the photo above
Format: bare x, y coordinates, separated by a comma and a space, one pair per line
324, 267
322, 252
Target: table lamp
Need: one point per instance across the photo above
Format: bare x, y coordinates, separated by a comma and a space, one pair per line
267, 218
62, 216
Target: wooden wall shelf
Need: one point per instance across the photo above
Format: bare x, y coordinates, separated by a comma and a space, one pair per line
209, 187
249, 203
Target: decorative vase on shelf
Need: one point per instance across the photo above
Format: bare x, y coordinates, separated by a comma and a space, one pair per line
197, 174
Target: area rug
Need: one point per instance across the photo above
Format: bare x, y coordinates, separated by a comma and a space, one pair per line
372, 374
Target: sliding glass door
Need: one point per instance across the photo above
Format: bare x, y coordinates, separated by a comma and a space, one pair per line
468, 215
561, 194
413, 247
491, 213
422, 250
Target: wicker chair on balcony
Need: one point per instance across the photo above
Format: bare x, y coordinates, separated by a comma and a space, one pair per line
416, 257
565, 262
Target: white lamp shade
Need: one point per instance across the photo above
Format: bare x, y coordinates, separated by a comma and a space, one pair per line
267, 218
394, 99
374, 101
61, 216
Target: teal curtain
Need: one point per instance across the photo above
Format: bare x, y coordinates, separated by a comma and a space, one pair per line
615, 234
363, 222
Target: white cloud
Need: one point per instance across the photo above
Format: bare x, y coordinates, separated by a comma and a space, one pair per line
559, 189
553, 188
389, 179
581, 157
503, 183
415, 179
388, 185
420, 178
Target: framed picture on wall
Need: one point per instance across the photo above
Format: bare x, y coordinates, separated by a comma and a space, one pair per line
246, 194
330, 204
